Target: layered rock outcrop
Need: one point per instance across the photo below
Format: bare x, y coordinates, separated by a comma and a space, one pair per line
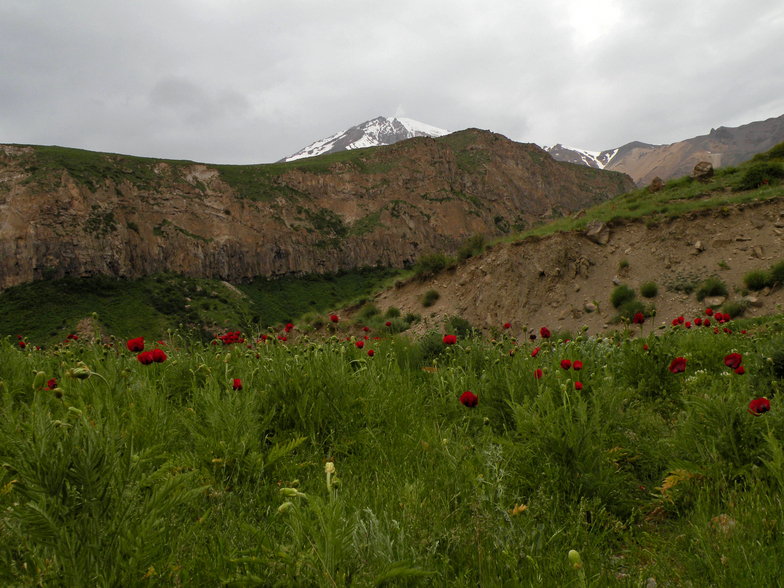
71, 212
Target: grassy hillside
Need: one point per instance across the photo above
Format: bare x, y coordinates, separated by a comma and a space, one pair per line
762, 178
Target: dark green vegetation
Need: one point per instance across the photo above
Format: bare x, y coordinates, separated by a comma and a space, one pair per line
759, 279
331, 468
649, 289
712, 286
48, 310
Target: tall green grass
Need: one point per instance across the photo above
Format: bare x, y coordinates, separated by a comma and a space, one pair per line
170, 474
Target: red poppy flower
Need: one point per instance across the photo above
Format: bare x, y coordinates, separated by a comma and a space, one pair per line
388, 323
334, 318
51, 384
145, 358
469, 399
577, 365
758, 406
22, 344
288, 327
578, 385
359, 344
715, 329
638, 319
698, 322
535, 352
645, 347
158, 356
709, 311
687, 325
366, 329
681, 320
370, 353
507, 326
740, 370
733, 360
532, 337
706, 322
678, 365
743, 332
538, 374
450, 339
236, 383
544, 332
19, 337
283, 338
674, 322
566, 364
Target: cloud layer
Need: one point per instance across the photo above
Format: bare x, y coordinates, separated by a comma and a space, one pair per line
243, 81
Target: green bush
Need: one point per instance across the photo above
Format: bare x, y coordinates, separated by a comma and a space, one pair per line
430, 297
622, 294
735, 308
431, 264
649, 289
713, 286
367, 311
412, 318
623, 264
474, 245
759, 174
756, 279
630, 308
457, 325
777, 273
392, 312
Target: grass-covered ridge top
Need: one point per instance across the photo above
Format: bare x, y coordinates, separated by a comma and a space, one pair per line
759, 179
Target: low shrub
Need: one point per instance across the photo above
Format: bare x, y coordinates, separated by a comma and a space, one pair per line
431, 264
412, 318
621, 295
735, 308
756, 280
777, 273
623, 264
457, 325
760, 174
630, 308
713, 286
367, 311
392, 312
474, 245
430, 297
649, 289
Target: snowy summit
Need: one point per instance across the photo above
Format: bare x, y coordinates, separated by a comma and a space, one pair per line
373, 133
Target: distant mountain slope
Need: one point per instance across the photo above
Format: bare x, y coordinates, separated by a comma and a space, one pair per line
722, 147
373, 133
77, 213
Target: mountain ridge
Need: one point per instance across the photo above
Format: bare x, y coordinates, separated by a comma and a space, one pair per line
78, 213
722, 147
376, 132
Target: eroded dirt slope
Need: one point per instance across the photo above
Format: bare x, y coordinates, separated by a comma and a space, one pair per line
552, 281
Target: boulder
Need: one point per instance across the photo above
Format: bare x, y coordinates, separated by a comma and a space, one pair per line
598, 232
703, 171
657, 184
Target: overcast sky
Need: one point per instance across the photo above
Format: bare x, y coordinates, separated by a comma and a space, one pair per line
252, 81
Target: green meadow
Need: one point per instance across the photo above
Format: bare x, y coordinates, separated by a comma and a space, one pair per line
315, 463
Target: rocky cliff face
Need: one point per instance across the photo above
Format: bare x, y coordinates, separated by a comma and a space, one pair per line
70, 212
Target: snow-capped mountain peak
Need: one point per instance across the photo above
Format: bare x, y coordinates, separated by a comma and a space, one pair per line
372, 133
597, 159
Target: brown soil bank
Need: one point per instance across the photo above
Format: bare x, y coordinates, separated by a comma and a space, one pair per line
554, 281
